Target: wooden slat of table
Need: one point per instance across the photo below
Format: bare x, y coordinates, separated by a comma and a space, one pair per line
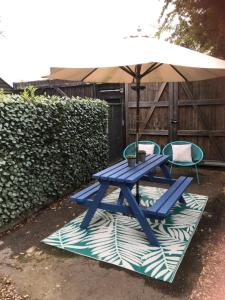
113, 175
121, 164
135, 176
169, 204
155, 161
88, 190
120, 172
160, 202
121, 168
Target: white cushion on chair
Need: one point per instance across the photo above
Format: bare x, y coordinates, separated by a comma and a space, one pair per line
148, 148
182, 153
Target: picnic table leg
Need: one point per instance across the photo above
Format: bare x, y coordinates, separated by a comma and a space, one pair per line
121, 196
165, 171
139, 215
181, 200
92, 209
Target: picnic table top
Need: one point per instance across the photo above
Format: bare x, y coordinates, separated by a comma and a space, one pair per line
120, 172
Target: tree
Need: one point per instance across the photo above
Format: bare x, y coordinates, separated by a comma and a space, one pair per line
196, 24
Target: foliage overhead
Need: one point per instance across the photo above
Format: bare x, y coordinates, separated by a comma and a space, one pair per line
195, 24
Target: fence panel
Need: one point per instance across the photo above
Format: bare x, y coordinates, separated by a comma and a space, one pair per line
181, 111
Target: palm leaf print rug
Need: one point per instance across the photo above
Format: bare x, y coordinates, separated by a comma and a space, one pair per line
119, 240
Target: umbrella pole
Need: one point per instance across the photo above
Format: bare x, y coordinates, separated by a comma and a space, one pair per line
137, 124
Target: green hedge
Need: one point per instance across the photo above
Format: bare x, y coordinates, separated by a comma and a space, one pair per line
48, 147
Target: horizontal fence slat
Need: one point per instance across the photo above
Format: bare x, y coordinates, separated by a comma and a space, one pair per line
150, 132
148, 104
201, 132
201, 102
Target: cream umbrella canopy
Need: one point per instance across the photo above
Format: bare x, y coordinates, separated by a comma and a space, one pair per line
138, 59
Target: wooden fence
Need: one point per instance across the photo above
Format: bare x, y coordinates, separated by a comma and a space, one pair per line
168, 111
181, 111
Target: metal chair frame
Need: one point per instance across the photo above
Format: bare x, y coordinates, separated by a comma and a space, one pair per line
197, 156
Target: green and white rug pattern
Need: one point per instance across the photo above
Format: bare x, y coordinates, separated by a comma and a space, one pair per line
119, 240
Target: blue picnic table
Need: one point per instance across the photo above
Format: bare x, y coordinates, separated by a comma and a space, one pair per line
125, 178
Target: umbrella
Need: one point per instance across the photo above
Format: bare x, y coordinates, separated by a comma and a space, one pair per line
139, 59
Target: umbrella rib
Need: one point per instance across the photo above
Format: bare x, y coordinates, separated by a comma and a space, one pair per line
128, 70
175, 69
92, 71
150, 69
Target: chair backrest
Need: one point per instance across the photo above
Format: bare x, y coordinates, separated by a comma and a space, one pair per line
131, 148
196, 151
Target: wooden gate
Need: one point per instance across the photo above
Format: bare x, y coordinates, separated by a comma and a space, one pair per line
153, 113
184, 111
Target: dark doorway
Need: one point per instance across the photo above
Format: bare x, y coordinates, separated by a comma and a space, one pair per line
113, 94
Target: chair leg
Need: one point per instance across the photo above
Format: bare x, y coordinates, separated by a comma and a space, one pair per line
197, 176
171, 167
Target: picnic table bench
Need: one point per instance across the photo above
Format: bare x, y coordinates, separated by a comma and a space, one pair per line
125, 178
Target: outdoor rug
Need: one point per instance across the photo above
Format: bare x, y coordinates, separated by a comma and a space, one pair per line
119, 240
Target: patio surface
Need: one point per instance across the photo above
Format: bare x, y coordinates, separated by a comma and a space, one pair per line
45, 272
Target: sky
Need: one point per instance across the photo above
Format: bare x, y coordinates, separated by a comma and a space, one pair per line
37, 32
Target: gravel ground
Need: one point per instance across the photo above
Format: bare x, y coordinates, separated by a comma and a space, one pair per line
8, 290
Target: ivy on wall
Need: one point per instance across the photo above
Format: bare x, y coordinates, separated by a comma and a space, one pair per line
48, 147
